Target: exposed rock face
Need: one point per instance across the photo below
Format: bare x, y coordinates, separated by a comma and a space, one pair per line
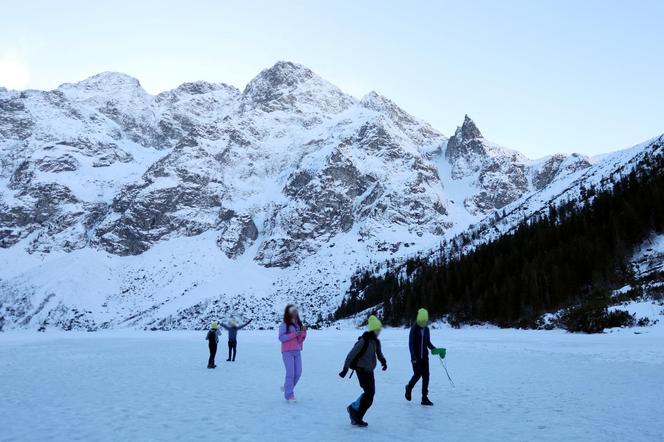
287, 86
556, 166
466, 149
290, 175
502, 175
237, 233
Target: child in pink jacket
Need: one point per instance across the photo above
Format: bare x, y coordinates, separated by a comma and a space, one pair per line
292, 335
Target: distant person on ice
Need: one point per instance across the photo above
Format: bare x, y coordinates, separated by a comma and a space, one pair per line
419, 342
232, 329
362, 359
213, 339
292, 334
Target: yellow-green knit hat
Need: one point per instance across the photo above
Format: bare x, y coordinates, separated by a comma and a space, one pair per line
422, 317
215, 325
373, 323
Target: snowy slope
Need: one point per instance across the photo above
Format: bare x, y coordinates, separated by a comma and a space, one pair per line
571, 186
119, 208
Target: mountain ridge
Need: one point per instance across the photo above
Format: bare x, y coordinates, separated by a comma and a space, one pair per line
276, 182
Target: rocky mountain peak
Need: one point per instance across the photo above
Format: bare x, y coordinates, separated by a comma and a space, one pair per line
417, 130
373, 100
197, 90
272, 82
104, 82
466, 144
468, 130
201, 87
291, 87
283, 73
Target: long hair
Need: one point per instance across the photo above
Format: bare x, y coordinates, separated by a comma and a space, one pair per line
287, 318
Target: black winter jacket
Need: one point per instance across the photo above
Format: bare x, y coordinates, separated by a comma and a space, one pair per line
419, 343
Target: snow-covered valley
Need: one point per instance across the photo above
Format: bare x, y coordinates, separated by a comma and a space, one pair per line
510, 385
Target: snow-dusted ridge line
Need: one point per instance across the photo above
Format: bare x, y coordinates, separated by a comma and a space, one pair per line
122, 208
604, 170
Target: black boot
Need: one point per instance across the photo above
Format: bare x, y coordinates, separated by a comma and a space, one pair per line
426, 401
352, 413
408, 393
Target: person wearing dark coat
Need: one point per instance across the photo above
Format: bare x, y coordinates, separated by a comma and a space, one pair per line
362, 359
419, 341
213, 339
232, 329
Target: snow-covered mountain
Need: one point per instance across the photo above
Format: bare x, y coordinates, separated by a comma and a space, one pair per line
120, 208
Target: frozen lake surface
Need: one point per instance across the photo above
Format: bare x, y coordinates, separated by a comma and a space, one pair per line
510, 385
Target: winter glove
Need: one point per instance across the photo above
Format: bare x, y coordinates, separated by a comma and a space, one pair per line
384, 364
343, 372
440, 352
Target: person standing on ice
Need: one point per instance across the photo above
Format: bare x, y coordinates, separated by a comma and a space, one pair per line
213, 339
292, 334
232, 329
362, 359
419, 342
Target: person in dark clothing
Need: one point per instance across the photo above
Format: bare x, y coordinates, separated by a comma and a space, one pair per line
213, 339
362, 359
363, 403
232, 349
232, 329
419, 342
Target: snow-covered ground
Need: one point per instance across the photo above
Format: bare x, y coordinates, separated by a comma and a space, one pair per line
510, 385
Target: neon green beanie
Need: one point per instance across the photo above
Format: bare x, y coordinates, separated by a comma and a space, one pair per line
215, 325
373, 324
422, 317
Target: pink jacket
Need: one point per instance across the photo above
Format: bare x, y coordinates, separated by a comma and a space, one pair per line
289, 339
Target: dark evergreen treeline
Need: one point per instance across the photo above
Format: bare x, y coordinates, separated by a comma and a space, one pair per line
575, 253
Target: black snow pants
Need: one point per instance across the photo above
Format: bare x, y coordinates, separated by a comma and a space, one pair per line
213, 352
368, 384
421, 370
232, 349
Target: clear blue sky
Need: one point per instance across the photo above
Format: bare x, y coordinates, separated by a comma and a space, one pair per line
539, 76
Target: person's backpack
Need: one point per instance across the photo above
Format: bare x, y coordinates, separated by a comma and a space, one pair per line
363, 350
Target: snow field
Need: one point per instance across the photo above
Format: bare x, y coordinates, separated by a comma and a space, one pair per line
510, 385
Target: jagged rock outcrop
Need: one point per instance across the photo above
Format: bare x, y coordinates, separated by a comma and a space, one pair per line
501, 175
556, 166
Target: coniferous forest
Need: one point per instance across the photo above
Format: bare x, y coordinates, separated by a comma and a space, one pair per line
571, 258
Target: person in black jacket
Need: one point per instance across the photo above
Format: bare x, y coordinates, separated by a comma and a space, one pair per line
362, 359
213, 339
419, 342
232, 329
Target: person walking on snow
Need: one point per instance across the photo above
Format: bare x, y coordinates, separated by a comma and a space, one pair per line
232, 329
419, 342
362, 359
213, 339
292, 334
